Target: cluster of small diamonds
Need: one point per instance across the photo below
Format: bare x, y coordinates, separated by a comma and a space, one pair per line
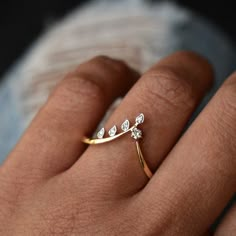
135, 132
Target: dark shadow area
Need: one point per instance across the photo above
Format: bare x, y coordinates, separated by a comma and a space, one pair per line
221, 13
22, 21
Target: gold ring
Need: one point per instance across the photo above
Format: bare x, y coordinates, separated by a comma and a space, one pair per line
136, 134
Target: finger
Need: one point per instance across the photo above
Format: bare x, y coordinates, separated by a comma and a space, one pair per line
167, 94
228, 225
198, 178
52, 143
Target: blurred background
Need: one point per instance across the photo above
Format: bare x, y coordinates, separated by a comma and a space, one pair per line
22, 21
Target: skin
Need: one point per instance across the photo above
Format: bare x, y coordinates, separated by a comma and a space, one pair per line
53, 184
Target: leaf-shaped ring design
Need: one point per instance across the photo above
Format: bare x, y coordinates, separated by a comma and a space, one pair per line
136, 134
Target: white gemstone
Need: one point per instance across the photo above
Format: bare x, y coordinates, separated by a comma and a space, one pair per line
112, 131
136, 133
140, 119
125, 125
101, 133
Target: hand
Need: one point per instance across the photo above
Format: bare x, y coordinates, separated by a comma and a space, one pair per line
53, 184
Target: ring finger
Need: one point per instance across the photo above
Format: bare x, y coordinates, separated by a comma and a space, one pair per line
167, 95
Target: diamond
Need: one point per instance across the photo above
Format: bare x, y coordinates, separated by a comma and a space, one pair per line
101, 133
112, 131
139, 119
136, 133
125, 125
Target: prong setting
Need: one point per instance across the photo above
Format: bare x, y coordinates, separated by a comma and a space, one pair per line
136, 133
125, 127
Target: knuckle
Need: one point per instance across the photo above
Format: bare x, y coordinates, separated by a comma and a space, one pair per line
167, 85
120, 67
83, 86
100, 60
75, 90
116, 66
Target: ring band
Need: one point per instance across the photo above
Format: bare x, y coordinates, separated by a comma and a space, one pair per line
135, 134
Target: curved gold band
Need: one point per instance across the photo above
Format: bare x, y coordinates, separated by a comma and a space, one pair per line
142, 161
